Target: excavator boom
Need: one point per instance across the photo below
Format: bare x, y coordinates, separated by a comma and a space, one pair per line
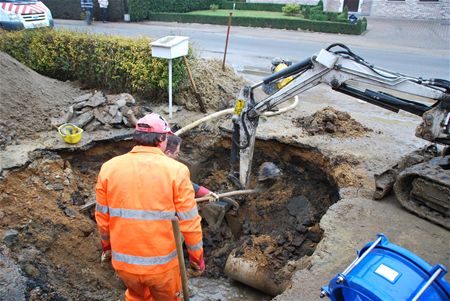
347, 73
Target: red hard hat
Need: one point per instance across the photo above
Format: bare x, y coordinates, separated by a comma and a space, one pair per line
153, 123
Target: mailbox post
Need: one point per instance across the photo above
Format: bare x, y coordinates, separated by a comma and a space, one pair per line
170, 47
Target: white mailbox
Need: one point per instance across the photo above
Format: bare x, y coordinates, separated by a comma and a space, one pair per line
170, 47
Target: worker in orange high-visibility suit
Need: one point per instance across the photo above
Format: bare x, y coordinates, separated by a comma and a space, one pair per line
137, 196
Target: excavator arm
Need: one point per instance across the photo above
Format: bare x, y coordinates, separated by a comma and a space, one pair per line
350, 74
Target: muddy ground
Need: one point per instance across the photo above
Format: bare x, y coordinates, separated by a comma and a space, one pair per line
50, 251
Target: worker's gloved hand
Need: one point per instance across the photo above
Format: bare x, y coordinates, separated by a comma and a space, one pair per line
213, 196
106, 252
106, 256
196, 266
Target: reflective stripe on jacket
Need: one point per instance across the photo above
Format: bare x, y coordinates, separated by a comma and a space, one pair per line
137, 195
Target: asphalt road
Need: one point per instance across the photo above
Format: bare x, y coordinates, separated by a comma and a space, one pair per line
251, 49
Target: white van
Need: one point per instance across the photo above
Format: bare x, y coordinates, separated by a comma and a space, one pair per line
24, 14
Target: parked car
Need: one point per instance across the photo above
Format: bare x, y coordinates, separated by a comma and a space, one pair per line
24, 14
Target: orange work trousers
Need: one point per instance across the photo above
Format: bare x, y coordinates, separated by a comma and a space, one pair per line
157, 287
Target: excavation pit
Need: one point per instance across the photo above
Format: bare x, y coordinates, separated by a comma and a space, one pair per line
54, 249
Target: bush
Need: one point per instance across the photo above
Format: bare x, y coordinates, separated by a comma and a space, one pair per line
70, 9
344, 15
252, 6
317, 16
291, 9
214, 7
320, 26
113, 63
139, 9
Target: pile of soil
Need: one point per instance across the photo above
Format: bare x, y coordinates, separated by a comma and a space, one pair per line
28, 100
217, 88
330, 121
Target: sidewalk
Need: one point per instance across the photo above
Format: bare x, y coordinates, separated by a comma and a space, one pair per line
426, 34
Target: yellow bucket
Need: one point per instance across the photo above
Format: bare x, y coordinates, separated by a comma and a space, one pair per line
70, 133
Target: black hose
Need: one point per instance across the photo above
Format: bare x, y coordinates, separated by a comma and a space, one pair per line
247, 135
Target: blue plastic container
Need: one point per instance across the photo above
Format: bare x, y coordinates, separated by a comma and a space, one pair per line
386, 272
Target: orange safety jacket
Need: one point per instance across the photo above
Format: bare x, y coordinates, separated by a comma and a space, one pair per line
137, 195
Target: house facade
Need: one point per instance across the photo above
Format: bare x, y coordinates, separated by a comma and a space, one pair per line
410, 9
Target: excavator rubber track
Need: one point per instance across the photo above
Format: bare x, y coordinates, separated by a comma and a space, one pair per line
424, 189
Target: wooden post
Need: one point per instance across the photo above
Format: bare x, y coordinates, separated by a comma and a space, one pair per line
179, 244
197, 95
226, 42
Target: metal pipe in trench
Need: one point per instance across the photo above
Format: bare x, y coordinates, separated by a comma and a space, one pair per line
251, 273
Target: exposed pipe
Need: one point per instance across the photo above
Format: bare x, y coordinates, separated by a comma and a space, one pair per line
230, 111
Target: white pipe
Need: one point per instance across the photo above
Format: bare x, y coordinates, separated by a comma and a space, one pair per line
281, 111
204, 119
229, 111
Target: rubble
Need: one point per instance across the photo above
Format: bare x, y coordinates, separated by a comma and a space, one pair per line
92, 112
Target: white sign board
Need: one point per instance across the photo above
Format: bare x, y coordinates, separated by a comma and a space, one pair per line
170, 47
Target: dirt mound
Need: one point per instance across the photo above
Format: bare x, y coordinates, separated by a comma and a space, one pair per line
28, 100
217, 88
332, 122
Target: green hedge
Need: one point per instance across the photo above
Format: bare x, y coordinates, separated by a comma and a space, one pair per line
139, 9
112, 63
71, 9
320, 26
252, 6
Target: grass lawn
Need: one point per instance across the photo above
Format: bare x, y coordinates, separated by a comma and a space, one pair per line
244, 13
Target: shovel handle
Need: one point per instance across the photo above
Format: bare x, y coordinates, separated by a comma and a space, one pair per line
179, 245
226, 194
198, 200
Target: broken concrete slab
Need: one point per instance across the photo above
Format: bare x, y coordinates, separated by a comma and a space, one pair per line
100, 115
83, 119
83, 97
117, 119
93, 126
96, 100
113, 110
79, 105
16, 156
56, 122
